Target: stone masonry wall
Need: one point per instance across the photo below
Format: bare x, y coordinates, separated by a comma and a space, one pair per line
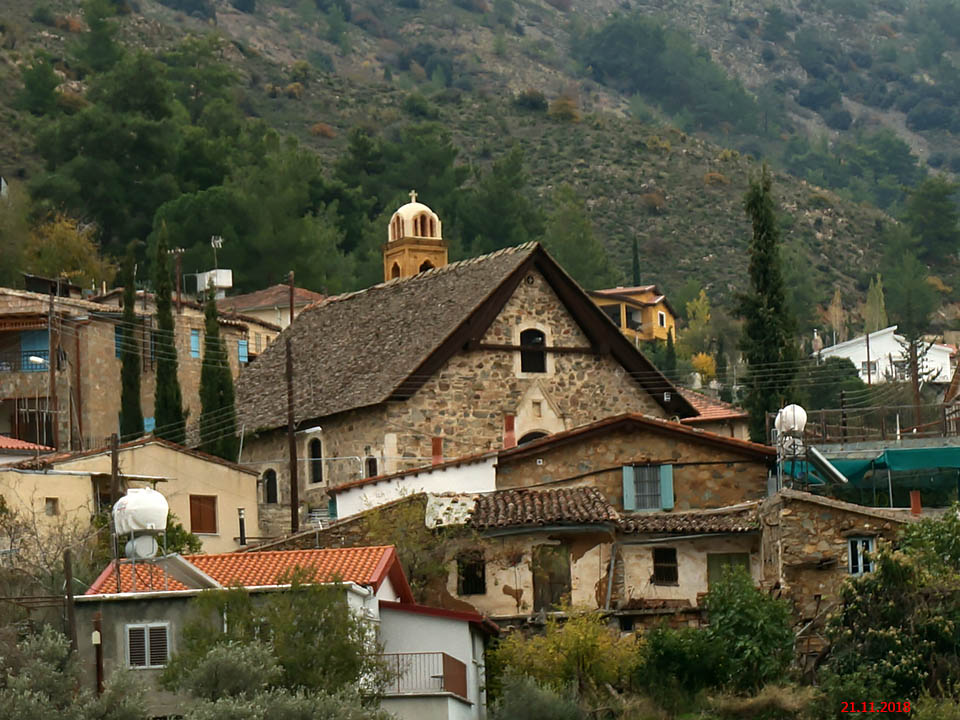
704, 476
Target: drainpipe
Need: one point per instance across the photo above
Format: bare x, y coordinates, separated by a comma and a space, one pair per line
243, 525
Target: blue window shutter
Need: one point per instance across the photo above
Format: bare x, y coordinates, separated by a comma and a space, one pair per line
629, 488
242, 355
195, 343
666, 487
117, 340
149, 424
332, 508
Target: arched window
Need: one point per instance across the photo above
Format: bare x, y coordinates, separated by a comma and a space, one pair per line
433, 227
271, 493
371, 466
395, 271
530, 437
427, 265
533, 358
316, 461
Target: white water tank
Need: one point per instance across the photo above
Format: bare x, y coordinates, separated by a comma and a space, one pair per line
791, 420
141, 510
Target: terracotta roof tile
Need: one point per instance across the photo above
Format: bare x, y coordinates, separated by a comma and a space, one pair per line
524, 508
273, 296
741, 518
710, 408
360, 565
9, 443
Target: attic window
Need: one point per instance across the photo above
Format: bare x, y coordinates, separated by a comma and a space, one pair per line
533, 358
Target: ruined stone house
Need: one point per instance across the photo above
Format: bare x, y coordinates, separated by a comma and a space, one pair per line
452, 360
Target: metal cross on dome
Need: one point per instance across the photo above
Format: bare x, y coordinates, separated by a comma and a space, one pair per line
413, 196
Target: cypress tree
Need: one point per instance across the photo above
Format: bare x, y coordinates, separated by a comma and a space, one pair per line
218, 416
131, 415
168, 400
636, 262
670, 359
768, 329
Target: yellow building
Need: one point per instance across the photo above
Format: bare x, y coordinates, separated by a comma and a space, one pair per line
642, 313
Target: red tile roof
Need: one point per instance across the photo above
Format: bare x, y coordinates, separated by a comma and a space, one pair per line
710, 408
273, 296
9, 443
361, 565
476, 619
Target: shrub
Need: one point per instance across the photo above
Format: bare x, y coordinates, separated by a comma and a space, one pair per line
531, 99
838, 118
323, 130
561, 5
44, 15
294, 91
565, 109
774, 702
476, 6
321, 61
678, 664
929, 114
653, 202
409, 4
300, 72
715, 178
937, 159
818, 95
245, 6
418, 106
523, 699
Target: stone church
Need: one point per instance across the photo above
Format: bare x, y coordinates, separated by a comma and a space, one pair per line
439, 360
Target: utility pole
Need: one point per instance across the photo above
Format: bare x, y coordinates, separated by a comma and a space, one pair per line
71, 611
843, 416
869, 374
177, 254
52, 369
915, 372
292, 443
290, 281
114, 469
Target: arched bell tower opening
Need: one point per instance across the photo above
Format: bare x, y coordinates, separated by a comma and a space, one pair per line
415, 241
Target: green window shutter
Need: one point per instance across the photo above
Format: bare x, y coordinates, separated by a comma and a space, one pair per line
629, 488
666, 487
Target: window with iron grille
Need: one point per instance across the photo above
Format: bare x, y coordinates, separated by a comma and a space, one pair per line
148, 645
665, 566
471, 573
646, 483
860, 549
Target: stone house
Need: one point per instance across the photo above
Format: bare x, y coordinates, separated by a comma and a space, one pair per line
77, 405
205, 493
140, 611
475, 355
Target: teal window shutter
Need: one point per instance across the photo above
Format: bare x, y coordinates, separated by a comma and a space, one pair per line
666, 487
242, 354
629, 488
195, 343
332, 508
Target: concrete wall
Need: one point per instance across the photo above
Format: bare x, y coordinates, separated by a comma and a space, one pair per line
470, 477
427, 707
704, 475
188, 475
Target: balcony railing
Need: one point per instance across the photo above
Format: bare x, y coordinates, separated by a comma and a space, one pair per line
426, 673
882, 423
24, 361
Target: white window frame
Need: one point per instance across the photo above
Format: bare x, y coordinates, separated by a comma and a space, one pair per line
547, 356
857, 550
661, 318
146, 640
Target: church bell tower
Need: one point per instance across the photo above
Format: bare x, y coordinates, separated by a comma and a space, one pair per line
414, 241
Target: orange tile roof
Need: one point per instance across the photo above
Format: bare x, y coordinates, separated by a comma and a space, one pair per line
710, 408
361, 565
9, 443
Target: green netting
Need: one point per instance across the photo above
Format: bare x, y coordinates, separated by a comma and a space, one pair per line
910, 468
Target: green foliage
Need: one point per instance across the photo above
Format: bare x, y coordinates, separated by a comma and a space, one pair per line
40, 82
579, 652
232, 669
171, 423
875, 310
767, 339
294, 620
131, 414
932, 216
344, 705
818, 386
935, 539
522, 698
635, 263
679, 663
63, 247
637, 54
245, 6
531, 99
570, 240
910, 298
14, 234
99, 51
670, 358
218, 414
751, 629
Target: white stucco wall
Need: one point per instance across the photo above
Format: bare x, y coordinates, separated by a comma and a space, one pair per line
471, 477
886, 350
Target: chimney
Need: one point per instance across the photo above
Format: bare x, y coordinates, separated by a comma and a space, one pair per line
509, 433
916, 508
437, 450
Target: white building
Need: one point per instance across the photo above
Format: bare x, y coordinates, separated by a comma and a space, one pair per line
883, 356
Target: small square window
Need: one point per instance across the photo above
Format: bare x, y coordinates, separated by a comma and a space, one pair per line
665, 566
52, 506
860, 560
148, 645
471, 573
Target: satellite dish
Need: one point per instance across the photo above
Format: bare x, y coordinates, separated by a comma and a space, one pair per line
791, 420
142, 547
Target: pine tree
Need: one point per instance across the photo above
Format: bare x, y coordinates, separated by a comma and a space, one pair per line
875, 311
168, 400
131, 415
636, 262
767, 340
218, 416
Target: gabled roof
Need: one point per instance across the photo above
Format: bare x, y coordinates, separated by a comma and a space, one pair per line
365, 566
385, 342
480, 622
532, 508
710, 409
626, 294
732, 519
271, 297
50, 461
